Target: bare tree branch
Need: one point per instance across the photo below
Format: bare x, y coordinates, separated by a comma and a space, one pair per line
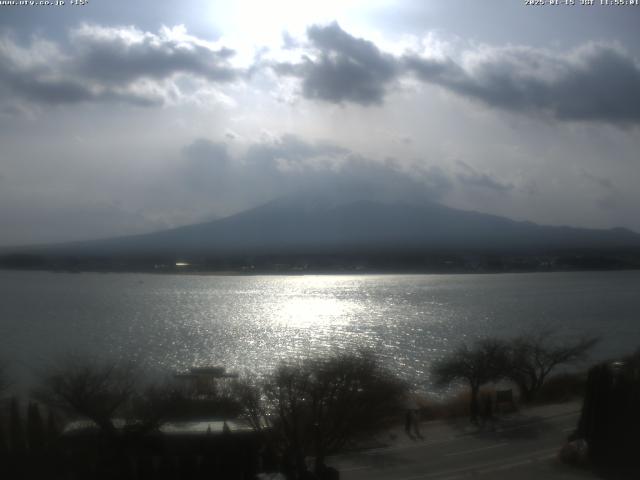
319, 406
533, 357
486, 361
84, 387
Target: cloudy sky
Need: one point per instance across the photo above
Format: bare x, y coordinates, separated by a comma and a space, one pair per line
121, 117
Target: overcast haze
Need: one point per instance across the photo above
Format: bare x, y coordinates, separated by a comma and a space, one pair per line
120, 118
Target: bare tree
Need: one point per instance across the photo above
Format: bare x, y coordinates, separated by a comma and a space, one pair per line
533, 357
87, 388
320, 406
486, 361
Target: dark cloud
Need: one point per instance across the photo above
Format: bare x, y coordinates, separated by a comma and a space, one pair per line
48, 91
290, 153
108, 65
471, 177
295, 164
122, 55
344, 68
57, 91
290, 164
594, 83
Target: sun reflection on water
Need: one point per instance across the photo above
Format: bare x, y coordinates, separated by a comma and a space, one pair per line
309, 312
251, 324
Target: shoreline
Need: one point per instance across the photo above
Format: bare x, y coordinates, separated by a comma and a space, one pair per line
296, 273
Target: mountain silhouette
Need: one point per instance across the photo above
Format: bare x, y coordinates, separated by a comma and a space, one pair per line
314, 223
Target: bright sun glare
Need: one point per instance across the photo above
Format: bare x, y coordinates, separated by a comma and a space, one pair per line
308, 311
264, 22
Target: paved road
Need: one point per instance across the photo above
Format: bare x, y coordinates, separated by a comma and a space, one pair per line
521, 446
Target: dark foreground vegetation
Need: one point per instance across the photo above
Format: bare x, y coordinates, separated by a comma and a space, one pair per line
526, 361
118, 427
605, 439
610, 418
89, 419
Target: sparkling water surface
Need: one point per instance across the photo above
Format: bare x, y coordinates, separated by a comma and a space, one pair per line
251, 323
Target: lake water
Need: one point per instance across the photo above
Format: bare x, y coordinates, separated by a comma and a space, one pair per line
250, 323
